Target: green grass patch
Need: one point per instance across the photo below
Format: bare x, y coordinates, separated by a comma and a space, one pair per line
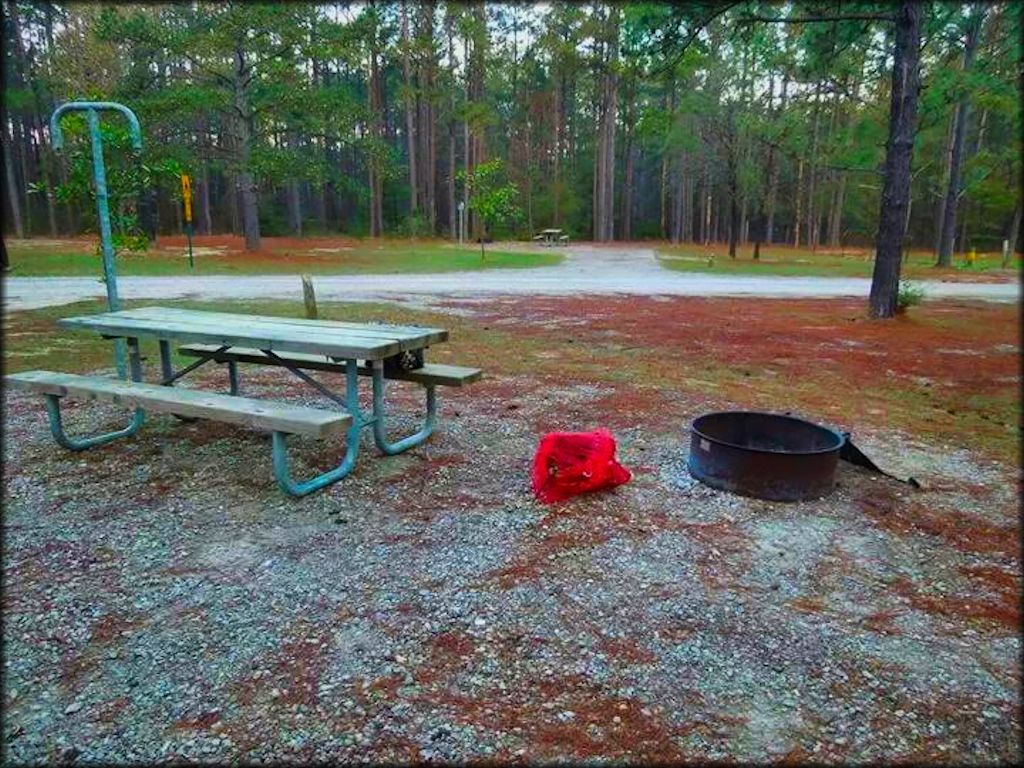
798, 262
78, 258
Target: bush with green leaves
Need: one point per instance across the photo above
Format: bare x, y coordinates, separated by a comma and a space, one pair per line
491, 196
415, 225
128, 175
910, 295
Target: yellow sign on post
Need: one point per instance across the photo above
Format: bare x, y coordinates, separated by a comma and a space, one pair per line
186, 195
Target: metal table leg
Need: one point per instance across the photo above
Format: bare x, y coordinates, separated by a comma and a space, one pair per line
166, 369
80, 444
282, 472
168, 377
379, 422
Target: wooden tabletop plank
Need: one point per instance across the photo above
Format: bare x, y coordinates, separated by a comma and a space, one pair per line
213, 325
288, 338
398, 332
271, 330
257, 327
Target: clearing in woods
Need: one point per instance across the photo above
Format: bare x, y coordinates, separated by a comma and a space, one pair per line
429, 607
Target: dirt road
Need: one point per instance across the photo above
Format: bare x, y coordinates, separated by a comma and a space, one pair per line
586, 270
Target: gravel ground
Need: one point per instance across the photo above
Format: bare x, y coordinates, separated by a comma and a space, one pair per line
164, 601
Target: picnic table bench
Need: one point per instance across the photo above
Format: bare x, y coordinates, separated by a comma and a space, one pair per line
298, 345
550, 237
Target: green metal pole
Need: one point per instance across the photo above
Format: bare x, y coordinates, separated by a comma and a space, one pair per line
188, 234
106, 239
102, 205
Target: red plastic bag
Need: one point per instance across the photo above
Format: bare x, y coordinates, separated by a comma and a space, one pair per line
570, 463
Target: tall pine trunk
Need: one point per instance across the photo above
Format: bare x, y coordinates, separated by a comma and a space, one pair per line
467, 150
250, 211
604, 161
906, 82
812, 173
11, 188
410, 130
947, 154
1014, 234
294, 192
426, 130
247, 185
835, 224
663, 224
773, 176
676, 226
734, 213
450, 31
474, 56
205, 220
688, 192
705, 219
629, 171
953, 192
799, 198
375, 180
967, 203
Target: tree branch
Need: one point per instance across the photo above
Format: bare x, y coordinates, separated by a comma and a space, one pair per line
850, 169
202, 69
810, 19
283, 49
718, 11
975, 182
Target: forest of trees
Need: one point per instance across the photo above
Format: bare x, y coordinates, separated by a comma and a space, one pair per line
689, 122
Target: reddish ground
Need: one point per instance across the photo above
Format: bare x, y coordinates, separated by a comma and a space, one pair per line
946, 370
268, 245
278, 249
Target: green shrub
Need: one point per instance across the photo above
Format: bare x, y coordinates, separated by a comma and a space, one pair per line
414, 225
909, 295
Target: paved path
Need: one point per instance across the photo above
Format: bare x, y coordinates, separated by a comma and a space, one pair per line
586, 270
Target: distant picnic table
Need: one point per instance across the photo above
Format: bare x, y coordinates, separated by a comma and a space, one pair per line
297, 345
551, 237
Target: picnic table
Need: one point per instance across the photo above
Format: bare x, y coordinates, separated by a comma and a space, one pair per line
297, 345
550, 237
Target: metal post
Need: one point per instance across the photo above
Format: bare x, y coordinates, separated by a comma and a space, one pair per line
106, 238
186, 199
462, 222
135, 357
166, 369
102, 205
188, 234
309, 297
